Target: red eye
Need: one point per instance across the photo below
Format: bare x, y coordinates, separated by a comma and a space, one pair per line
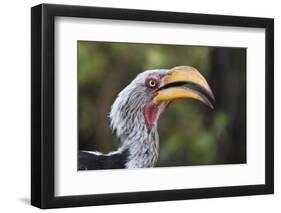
151, 83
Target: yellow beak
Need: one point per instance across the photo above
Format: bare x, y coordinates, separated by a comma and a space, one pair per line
172, 86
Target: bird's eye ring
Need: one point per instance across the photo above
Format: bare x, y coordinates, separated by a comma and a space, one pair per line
152, 83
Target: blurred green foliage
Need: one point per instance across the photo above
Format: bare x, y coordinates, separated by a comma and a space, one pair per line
190, 133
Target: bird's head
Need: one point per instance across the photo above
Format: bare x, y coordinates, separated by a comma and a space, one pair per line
138, 106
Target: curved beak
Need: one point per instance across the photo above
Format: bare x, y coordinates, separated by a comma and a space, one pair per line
173, 86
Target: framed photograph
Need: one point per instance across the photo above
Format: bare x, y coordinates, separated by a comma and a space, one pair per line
141, 106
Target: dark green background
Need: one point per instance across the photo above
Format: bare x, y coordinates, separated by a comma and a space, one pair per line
190, 133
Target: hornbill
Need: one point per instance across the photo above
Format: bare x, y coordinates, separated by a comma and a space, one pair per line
135, 112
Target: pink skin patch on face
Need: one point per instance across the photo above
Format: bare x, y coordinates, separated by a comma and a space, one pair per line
150, 114
151, 109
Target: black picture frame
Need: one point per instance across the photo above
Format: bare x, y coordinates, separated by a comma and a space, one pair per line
43, 102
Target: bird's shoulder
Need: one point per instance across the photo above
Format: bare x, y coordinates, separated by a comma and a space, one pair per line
88, 160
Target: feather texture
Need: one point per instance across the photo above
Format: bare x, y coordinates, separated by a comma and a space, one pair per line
139, 144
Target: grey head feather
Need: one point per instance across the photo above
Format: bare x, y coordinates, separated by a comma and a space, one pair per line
127, 120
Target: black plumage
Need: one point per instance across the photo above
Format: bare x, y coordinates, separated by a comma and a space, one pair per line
92, 161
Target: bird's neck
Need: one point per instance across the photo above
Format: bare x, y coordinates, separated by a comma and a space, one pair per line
142, 148
139, 141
